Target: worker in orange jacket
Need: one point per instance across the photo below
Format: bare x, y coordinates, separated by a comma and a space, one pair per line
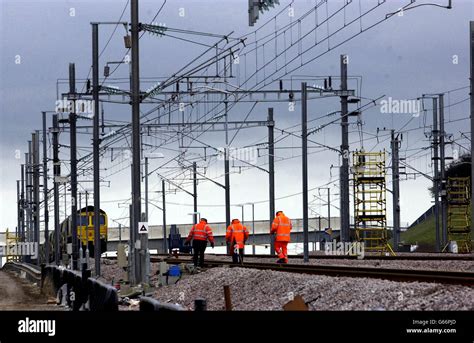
281, 227
236, 235
200, 233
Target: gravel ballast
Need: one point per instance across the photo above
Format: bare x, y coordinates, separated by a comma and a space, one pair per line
111, 272
463, 266
253, 289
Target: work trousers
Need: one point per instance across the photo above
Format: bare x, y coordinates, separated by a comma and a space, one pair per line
281, 249
237, 256
199, 247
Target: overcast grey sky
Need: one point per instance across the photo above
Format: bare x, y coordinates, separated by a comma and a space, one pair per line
423, 51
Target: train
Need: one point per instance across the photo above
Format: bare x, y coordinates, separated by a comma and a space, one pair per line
85, 231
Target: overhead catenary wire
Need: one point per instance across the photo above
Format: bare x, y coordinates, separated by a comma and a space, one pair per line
265, 77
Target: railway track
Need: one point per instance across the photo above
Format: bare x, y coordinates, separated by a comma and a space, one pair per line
366, 257
405, 275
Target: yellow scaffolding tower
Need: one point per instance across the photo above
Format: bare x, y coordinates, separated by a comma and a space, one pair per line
11, 240
370, 204
459, 219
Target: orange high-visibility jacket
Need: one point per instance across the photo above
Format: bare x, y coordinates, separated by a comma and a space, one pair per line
282, 227
237, 233
201, 232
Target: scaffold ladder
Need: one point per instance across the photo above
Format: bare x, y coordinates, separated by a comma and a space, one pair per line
459, 218
370, 204
11, 240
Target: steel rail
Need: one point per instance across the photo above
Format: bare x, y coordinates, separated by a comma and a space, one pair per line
32, 272
405, 275
427, 257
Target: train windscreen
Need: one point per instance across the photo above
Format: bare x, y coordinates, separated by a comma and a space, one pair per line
82, 221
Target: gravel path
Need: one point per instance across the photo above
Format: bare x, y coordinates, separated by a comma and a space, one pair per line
253, 289
19, 294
